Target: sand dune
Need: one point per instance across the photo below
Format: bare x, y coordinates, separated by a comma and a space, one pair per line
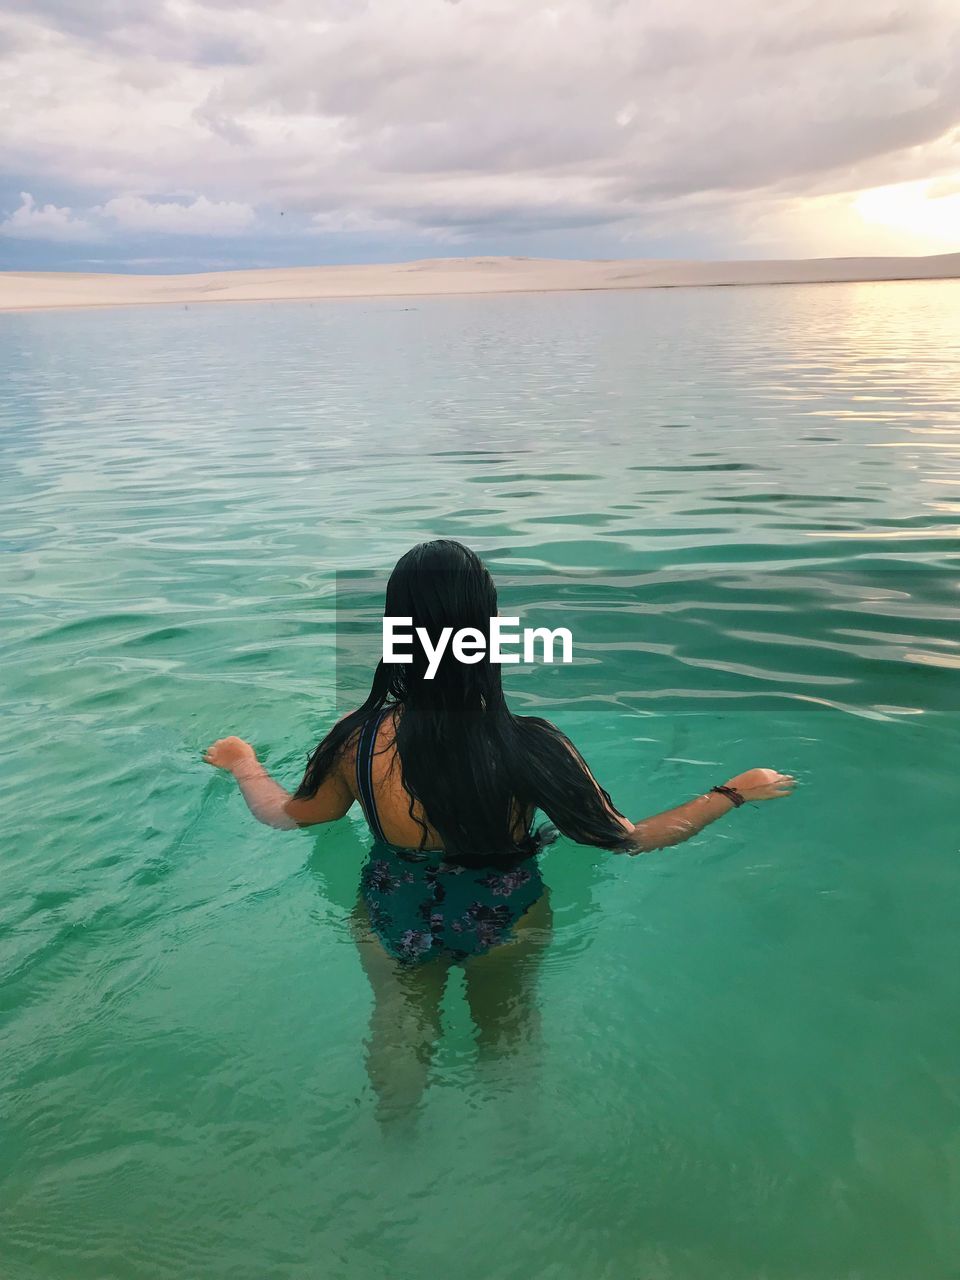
36, 290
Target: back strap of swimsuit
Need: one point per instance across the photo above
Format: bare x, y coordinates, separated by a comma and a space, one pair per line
365, 751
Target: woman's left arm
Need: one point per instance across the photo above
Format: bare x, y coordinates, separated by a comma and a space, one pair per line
267, 800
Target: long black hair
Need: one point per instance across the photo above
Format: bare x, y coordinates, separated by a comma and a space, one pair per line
469, 762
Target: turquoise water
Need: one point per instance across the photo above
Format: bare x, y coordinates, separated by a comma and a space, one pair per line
740, 1059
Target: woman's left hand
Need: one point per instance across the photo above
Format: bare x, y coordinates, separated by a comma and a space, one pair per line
227, 753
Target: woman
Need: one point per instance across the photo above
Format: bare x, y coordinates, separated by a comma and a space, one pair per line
449, 780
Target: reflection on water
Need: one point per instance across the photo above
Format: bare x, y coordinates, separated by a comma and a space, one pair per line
726, 1061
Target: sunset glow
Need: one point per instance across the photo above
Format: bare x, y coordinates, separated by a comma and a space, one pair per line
916, 210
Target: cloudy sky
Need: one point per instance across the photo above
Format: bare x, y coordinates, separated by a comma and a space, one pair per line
166, 135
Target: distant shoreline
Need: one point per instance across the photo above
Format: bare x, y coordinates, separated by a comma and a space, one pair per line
446, 277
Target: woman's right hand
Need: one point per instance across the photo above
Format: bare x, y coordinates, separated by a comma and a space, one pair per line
763, 784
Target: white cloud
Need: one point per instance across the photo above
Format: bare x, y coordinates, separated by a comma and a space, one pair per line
129, 213
202, 217
486, 117
32, 221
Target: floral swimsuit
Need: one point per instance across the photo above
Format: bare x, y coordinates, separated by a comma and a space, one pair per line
421, 906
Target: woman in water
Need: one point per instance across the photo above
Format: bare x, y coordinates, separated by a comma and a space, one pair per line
449, 780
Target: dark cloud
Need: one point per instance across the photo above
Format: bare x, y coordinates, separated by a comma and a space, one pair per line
79, 17
135, 27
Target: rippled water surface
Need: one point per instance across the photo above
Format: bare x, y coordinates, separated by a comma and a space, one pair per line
744, 1064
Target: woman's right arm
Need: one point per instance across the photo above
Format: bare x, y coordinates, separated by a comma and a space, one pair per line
673, 826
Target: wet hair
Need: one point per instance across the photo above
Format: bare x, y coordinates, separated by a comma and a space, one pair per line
464, 756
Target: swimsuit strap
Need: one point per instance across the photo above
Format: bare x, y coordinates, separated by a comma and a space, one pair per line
365, 752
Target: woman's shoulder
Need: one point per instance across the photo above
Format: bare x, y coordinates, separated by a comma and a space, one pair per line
375, 732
